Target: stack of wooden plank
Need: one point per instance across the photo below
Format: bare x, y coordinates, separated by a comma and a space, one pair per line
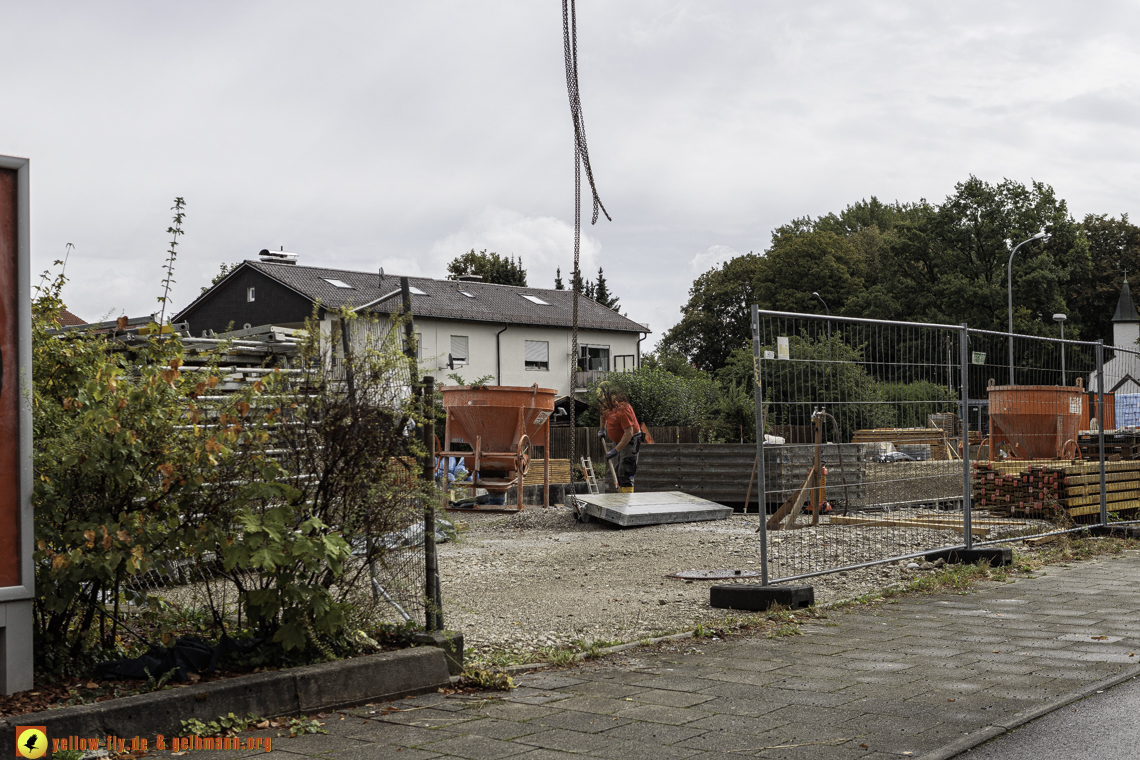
1042, 488
559, 472
1118, 445
935, 438
1031, 489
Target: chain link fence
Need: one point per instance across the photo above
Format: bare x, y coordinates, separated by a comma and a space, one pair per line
884, 441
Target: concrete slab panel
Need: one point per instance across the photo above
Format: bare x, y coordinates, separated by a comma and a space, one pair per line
630, 509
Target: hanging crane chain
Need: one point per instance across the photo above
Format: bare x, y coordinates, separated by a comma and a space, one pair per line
581, 159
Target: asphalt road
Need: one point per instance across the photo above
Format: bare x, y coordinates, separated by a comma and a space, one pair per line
1103, 726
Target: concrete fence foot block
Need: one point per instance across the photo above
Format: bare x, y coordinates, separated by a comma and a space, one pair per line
743, 596
996, 556
451, 642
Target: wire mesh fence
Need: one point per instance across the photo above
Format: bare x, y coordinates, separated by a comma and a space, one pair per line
886, 441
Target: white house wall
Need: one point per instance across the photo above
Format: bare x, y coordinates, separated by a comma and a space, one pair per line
435, 344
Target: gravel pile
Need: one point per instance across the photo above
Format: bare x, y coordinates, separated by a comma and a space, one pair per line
542, 579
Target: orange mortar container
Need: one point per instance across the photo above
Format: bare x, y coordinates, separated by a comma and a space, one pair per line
1037, 421
499, 424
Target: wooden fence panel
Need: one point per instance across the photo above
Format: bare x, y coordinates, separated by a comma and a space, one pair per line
588, 443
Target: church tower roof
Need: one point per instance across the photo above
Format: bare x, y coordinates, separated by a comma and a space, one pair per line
1125, 308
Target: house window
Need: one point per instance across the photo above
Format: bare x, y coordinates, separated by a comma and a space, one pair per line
625, 363
249, 294
419, 338
537, 354
459, 349
593, 358
534, 299
338, 283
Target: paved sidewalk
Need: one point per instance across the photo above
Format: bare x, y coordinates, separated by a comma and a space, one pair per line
891, 680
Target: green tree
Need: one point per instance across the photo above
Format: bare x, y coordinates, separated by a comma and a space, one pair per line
602, 293
918, 262
223, 272
716, 319
492, 267
1114, 247
948, 263
558, 284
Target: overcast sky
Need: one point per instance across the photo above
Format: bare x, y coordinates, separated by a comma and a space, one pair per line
368, 134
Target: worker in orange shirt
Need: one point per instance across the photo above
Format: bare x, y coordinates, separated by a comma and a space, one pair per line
620, 426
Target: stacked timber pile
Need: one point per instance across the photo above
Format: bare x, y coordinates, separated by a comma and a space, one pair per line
935, 438
1042, 489
559, 472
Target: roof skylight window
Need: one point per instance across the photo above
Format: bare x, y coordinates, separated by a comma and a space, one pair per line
534, 299
469, 295
416, 291
338, 283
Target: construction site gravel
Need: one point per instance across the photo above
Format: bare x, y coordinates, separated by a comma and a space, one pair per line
540, 579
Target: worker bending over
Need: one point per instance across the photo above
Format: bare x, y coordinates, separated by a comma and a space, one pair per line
620, 426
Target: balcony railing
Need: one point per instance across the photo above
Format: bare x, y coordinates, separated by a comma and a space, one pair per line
583, 380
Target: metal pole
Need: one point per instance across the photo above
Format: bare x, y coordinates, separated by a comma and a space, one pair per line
1064, 381
964, 405
1009, 290
434, 615
1100, 428
826, 309
758, 396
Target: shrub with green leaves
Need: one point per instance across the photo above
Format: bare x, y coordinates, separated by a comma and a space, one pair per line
258, 512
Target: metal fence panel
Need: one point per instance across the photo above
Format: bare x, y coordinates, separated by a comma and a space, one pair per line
881, 474
889, 440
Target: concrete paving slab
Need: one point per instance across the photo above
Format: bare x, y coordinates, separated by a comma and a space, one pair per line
655, 508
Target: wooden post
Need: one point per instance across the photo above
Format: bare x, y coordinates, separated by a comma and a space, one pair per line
546, 469
434, 617
752, 477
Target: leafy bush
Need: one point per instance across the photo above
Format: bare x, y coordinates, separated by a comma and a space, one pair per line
661, 398
259, 512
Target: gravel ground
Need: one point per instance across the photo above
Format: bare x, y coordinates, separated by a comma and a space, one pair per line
540, 578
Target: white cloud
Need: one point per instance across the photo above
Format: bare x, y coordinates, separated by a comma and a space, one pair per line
713, 257
543, 242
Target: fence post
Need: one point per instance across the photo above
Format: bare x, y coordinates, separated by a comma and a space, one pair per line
433, 617
1100, 428
758, 396
964, 406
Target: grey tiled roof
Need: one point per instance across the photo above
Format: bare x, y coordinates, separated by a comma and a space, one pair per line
443, 299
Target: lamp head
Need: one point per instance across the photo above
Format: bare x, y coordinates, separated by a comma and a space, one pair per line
815, 294
1042, 235
1059, 317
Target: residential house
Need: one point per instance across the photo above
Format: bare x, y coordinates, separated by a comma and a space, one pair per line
510, 335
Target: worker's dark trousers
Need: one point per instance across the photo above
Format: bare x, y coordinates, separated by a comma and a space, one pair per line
626, 467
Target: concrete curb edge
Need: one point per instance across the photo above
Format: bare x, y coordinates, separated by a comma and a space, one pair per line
273, 694
983, 735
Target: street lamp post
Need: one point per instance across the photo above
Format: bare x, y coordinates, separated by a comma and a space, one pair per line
1009, 287
817, 295
1060, 319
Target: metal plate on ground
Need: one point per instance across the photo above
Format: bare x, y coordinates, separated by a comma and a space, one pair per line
629, 509
713, 575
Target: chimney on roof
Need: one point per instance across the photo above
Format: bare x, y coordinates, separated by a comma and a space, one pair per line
277, 257
381, 278
470, 278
